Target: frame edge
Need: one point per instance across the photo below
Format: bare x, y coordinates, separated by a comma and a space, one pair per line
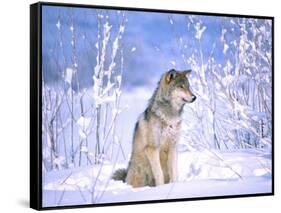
35, 104
34, 187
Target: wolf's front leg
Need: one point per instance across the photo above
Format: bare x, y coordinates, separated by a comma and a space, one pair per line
153, 156
172, 162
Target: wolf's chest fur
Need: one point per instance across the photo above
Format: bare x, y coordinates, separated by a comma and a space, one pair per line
165, 129
168, 132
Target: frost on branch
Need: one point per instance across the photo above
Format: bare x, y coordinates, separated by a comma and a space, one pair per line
79, 121
199, 30
68, 75
107, 84
233, 108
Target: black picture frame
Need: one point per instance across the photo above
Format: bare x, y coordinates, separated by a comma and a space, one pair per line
36, 103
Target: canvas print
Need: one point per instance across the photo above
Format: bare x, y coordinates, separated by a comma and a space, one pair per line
154, 105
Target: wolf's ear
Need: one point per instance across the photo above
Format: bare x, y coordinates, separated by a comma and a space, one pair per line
186, 73
171, 75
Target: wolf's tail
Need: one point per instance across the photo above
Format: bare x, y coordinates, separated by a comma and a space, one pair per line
120, 174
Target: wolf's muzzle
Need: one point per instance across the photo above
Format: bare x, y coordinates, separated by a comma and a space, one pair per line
189, 100
193, 98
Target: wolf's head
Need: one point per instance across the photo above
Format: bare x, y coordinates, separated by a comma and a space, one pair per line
177, 87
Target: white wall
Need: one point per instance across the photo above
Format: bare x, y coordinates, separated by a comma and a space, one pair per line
14, 107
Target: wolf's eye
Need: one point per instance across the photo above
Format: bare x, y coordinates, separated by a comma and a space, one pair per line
182, 86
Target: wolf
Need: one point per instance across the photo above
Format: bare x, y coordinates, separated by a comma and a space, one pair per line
154, 151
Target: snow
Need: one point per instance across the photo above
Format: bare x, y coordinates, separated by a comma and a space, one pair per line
107, 28
228, 67
84, 149
71, 28
199, 30
58, 25
82, 133
68, 75
260, 172
200, 175
122, 29
171, 21
58, 160
173, 63
191, 189
223, 32
225, 48
105, 99
119, 79
83, 122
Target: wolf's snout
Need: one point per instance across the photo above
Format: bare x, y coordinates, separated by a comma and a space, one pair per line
193, 98
189, 99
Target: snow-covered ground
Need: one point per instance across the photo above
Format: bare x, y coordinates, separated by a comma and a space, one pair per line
202, 173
